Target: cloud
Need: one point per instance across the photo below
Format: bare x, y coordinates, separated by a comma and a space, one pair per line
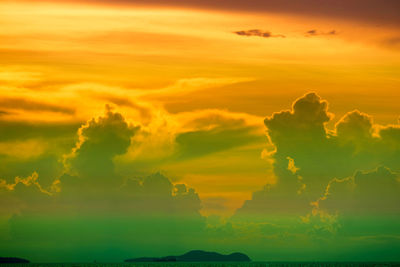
308, 115
28, 181
28, 146
155, 194
364, 193
23, 149
170, 140
125, 101
258, 32
22, 130
316, 33
322, 198
355, 128
113, 95
321, 154
33, 105
366, 199
100, 140
145, 214
15, 76
319, 179
223, 133
189, 85
94, 205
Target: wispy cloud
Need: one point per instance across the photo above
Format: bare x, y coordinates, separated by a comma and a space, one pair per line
33, 105
258, 32
316, 33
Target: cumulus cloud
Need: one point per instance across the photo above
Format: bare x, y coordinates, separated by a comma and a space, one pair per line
359, 206
26, 147
327, 168
258, 32
308, 115
100, 140
364, 193
93, 205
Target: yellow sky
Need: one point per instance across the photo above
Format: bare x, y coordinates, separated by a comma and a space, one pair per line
64, 62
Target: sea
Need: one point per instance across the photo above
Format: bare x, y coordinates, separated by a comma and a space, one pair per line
211, 264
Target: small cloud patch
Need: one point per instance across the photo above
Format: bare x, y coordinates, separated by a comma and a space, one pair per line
316, 33
259, 33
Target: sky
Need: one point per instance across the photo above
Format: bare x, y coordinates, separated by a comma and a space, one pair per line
132, 129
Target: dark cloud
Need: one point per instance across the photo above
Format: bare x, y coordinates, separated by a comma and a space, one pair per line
257, 32
316, 33
33, 105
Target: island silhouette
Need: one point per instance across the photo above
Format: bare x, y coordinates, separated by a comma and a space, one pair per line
13, 260
195, 256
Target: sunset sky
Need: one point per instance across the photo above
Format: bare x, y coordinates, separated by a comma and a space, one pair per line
147, 128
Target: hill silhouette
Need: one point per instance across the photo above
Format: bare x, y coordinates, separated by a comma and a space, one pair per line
195, 256
12, 260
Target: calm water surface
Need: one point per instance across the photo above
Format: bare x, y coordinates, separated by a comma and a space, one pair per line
213, 264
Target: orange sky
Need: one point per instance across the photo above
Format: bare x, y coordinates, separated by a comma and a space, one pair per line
65, 62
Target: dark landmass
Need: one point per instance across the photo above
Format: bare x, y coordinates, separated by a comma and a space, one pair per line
195, 256
12, 260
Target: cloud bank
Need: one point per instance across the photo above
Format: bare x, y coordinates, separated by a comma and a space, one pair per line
329, 186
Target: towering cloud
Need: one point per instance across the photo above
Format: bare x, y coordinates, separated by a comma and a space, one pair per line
100, 140
92, 205
331, 186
